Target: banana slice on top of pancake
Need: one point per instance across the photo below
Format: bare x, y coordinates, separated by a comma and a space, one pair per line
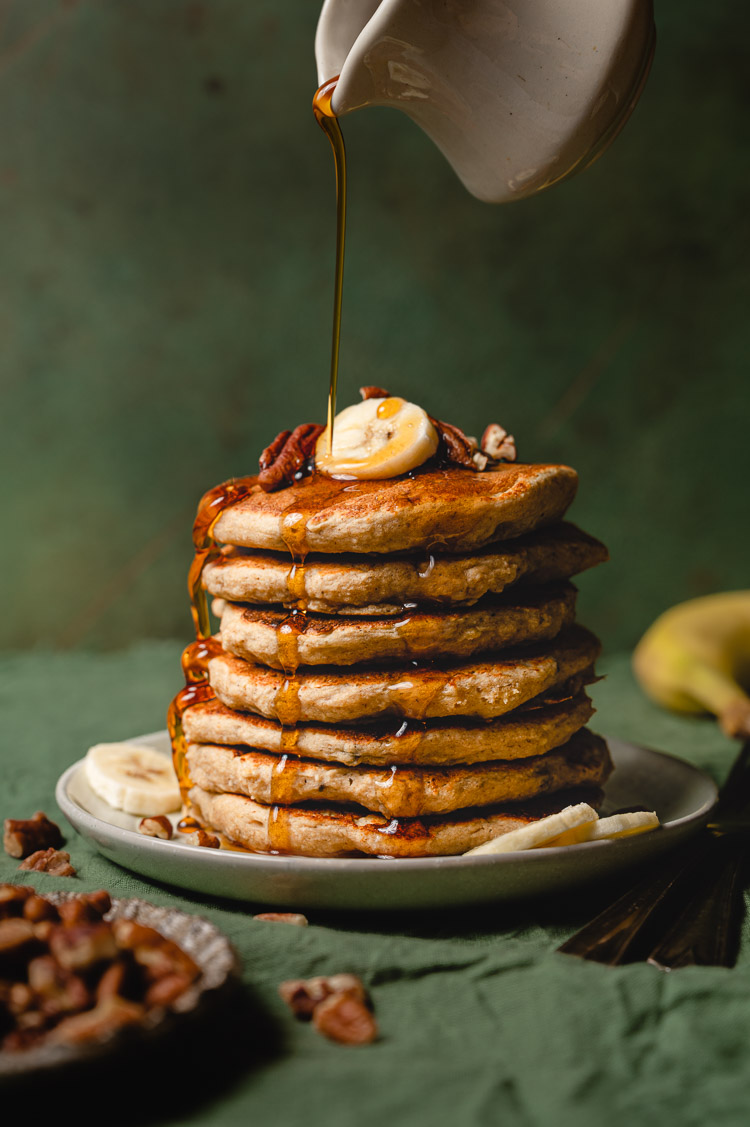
377, 438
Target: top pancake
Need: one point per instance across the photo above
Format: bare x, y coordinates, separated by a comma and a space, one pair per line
452, 509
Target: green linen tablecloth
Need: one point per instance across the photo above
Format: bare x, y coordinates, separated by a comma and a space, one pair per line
482, 1022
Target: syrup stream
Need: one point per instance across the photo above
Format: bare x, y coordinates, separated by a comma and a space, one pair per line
328, 122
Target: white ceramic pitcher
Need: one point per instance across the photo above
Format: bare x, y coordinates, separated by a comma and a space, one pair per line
517, 94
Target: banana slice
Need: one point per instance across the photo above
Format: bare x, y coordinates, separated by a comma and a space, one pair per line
539, 833
617, 825
135, 779
377, 438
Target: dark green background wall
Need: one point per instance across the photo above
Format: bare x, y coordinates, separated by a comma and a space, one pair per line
166, 242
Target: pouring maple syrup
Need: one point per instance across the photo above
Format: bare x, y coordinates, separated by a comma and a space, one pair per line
328, 122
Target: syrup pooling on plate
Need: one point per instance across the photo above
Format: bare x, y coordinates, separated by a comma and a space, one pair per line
188, 825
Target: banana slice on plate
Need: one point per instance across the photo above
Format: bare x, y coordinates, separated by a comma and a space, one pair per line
538, 833
617, 825
377, 438
132, 778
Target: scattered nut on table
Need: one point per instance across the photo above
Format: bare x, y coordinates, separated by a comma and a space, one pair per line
346, 1019
337, 1004
54, 861
295, 918
23, 836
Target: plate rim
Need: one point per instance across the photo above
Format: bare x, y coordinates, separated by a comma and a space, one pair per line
314, 865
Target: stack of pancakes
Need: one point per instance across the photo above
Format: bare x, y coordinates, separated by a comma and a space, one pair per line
399, 671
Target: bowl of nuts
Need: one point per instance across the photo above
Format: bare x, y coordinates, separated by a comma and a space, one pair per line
82, 974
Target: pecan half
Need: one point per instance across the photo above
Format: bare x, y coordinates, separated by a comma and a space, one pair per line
454, 445
52, 861
23, 836
204, 839
498, 444
105, 1019
113, 981
287, 456
372, 392
13, 897
346, 1019
158, 955
57, 990
302, 995
20, 998
158, 825
283, 918
36, 909
17, 940
167, 989
87, 908
271, 453
79, 946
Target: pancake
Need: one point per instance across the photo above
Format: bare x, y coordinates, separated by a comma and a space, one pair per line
325, 831
527, 615
486, 688
522, 733
398, 791
382, 585
454, 509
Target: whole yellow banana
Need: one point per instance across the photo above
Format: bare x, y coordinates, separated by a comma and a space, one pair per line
696, 658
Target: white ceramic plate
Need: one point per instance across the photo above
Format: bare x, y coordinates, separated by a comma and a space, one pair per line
681, 795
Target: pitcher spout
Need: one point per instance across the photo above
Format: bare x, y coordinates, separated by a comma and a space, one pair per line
517, 94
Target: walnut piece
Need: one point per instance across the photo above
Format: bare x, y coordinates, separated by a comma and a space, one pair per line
22, 837
288, 456
346, 1019
55, 861
158, 825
